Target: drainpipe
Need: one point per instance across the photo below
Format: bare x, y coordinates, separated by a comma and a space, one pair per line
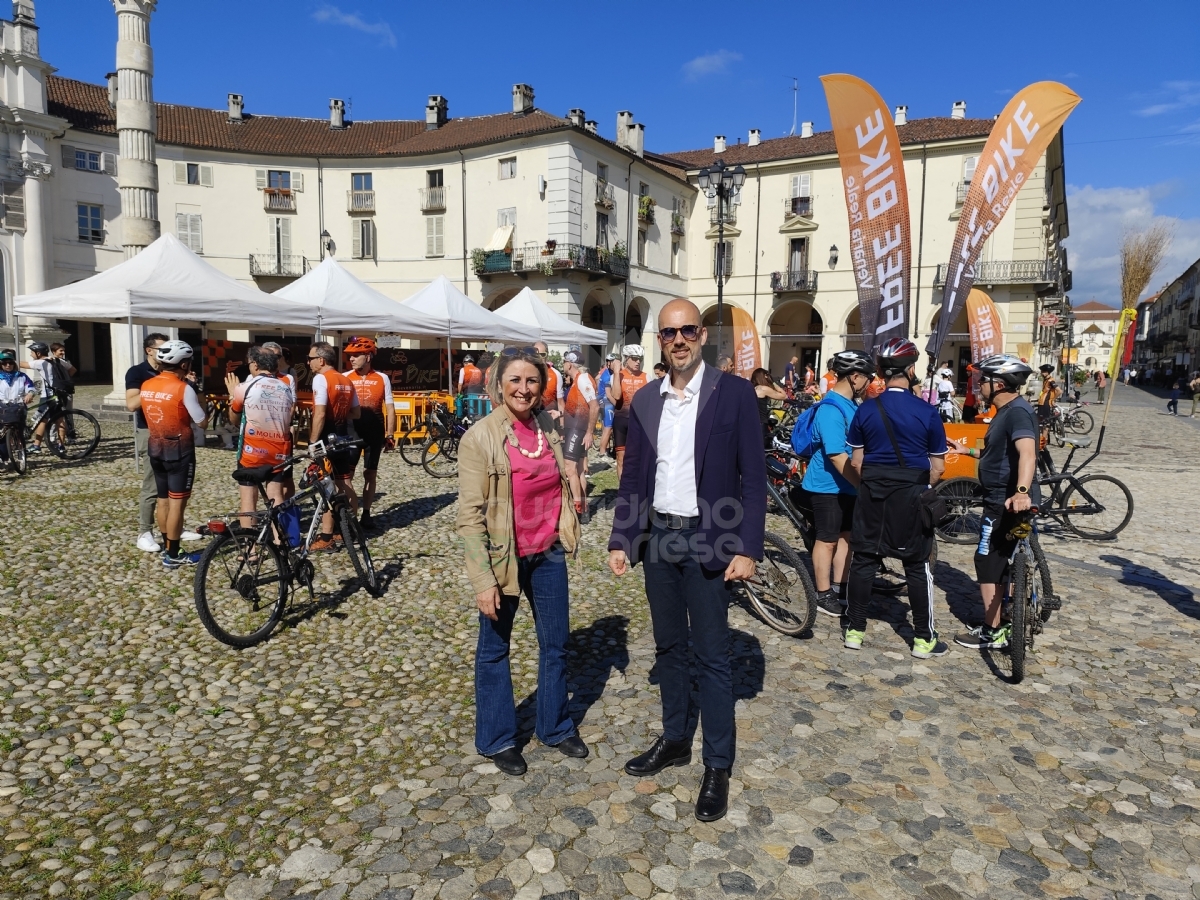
757, 226
628, 244
320, 208
920, 248
463, 190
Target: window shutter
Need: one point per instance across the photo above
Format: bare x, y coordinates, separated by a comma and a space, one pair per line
68, 156
180, 173
356, 248
372, 235
806, 184
260, 178
108, 163
969, 168
14, 205
206, 179
285, 237
441, 236
196, 232
434, 244
297, 181
182, 229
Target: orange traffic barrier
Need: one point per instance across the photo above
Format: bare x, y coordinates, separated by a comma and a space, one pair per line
961, 436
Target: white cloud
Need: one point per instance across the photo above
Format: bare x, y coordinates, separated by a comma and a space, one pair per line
1171, 97
1099, 217
335, 16
717, 63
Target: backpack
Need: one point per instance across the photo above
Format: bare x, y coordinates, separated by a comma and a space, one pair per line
61, 382
802, 432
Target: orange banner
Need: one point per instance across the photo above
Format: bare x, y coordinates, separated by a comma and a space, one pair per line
746, 347
876, 202
987, 337
1019, 137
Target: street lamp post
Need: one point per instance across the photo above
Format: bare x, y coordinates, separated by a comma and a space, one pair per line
722, 183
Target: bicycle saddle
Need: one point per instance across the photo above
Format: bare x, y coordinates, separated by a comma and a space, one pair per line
253, 475
1079, 441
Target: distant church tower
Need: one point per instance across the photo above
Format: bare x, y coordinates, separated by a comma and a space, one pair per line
137, 172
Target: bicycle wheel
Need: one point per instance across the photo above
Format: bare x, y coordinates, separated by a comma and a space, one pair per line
1047, 604
14, 445
440, 458
1019, 610
964, 504
1101, 517
241, 588
781, 590
412, 444
73, 434
1080, 422
360, 553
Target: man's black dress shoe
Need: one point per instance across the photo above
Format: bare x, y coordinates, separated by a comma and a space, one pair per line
664, 753
509, 761
713, 800
573, 747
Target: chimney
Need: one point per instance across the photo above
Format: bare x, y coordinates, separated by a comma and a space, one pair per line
901, 115
435, 112
235, 107
637, 137
719, 144
590, 126
111, 78
522, 99
23, 13
805, 129
755, 137
959, 110
624, 123
576, 117
337, 114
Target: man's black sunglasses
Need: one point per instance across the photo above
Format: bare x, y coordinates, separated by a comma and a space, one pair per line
689, 332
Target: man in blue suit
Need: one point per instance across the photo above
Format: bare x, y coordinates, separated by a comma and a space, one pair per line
692, 509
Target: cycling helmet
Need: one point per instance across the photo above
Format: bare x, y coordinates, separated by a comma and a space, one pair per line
896, 355
846, 361
1047, 368
39, 347
468, 359
360, 345
8, 356
174, 353
1008, 369
633, 350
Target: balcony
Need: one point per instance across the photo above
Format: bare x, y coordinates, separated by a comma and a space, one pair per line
433, 199
677, 223
960, 195
797, 206
360, 201
730, 217
279, 266
529, 259
606, 195
645, 212
1010, 271
279, 200
804, 280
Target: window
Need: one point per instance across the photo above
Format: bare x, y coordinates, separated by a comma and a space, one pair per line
14, 205
188, 230
643, 189
641, 248
433, 177
279, 240
91, 223
507, 217
364, 239
674, 257
723, 267
276, 180
279, 181
602, 230
969, 168
798, 255
508, 168
361, 181
601, 172
89, 160
193, 173
802, 184
435, 227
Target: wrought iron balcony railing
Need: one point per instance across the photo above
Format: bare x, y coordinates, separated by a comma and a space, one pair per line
800, 280
360, 201
275, 264
534, 257
960, 194
433, 198
1009, 271
797, 206
730, 214
279, 200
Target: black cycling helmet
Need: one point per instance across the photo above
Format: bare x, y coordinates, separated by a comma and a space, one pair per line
1008, 369
896, 355
846, 361
39, 347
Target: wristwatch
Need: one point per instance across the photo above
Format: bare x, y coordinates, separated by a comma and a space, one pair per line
1021, 489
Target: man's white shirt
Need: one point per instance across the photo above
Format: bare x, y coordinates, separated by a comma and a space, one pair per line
675, 474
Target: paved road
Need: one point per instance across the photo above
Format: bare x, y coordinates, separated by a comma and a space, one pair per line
140, 758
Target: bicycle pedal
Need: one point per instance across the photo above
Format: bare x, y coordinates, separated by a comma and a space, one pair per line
1052, 602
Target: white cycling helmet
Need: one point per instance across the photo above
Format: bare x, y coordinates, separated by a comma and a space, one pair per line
173, 353
633, 350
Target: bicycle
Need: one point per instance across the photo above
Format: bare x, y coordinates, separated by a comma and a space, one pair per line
244, 576
1027, 604
71, 434
413, 442
440, 456
1078, 420
12, 435
781, 591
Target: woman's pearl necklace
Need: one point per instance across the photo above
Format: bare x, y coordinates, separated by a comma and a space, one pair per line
541, 445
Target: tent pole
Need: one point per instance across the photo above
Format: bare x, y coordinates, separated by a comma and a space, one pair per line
137, 459
17, 338
203, 343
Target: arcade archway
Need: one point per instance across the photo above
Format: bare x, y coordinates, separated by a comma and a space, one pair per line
794, 329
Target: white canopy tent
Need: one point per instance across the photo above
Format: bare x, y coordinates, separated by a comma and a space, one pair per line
344, 303
527, 309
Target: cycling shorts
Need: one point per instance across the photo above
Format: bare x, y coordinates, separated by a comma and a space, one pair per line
371, 431
609, 412
344, 461
173, 479
995, 546
576, 431
832, 515
620, 430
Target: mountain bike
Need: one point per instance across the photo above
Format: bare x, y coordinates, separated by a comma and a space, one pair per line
12, 435
1077, 419
440, 456
1029, 594
70, 433
781, 591
422, 432
244, 577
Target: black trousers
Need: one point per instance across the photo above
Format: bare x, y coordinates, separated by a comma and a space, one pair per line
690, 601
917, 573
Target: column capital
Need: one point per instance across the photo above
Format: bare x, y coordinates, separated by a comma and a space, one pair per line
32, 168
136, 7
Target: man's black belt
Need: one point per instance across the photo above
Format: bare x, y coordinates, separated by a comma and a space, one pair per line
672, 522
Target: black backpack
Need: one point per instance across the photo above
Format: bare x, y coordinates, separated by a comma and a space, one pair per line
61, 377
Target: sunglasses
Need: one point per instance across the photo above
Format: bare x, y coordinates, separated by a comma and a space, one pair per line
520, 351
689, 332
311, 358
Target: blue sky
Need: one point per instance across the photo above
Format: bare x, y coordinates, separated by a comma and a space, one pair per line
689, 72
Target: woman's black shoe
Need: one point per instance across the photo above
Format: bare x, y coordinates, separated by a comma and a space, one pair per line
664, 753
573, 747
509, 761
713, 800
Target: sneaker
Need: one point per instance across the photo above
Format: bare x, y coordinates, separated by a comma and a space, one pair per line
828, 603
147, 543
32, 449
923, 649
365, 520
190, 535
984, 638
852, 640
178, 562
321, 545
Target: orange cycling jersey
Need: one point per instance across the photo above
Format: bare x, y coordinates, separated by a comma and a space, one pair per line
374, 391
170, 405
630, 385
553, 392
582, 393
470, 379
334, 391
265, 404
830, 380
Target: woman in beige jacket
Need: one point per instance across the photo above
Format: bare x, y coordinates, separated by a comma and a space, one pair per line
517, 519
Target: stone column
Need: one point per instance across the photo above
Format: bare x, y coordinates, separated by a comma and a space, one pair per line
137, 172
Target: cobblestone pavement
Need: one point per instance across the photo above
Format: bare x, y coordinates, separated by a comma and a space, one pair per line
140, 758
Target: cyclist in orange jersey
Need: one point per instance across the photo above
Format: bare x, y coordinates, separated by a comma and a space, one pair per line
335, 406
377, 420
261, 407
555, 390
581, 408
621, 389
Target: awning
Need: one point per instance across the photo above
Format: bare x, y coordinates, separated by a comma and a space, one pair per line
501, 241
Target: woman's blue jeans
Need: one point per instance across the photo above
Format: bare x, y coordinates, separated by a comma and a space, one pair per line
543, 579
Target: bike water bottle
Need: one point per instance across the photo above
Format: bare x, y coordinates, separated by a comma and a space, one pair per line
289, 516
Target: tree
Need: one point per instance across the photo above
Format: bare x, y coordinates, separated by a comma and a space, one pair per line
1142, 253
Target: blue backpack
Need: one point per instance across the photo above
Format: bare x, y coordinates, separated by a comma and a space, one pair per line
802, 432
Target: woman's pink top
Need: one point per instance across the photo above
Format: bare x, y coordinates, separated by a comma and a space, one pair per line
536, 491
